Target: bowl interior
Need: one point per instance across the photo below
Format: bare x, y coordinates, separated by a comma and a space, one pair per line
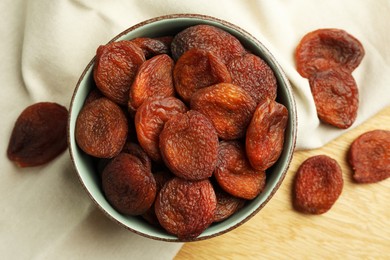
170, 25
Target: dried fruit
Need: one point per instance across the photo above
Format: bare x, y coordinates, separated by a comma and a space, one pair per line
326, 49
317, 185
235, 175
101, 128
253, 74
151, 46
128, 185
137, 151
369, 156
209, 38
197, 69
39, 134
93, 95
186, 208
230, 108
188, 145
154, 79
161, 178
150, 119
336, 97
265, 134
115, 68
227, 204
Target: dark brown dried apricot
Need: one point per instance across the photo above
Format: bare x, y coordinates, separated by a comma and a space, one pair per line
161, 178
336, 97
253, 74
150, 119
234, 173
39, 134
318, 184
230, 108
151, 46
128, 185
265, 134
186, 208
137, 151
115, 68
369, 156
188, 145
101, 128
325, 49
227, 204
94, 94
196, 69
154, 79
209, 38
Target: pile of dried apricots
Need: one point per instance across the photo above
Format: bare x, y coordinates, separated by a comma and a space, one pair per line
184, 127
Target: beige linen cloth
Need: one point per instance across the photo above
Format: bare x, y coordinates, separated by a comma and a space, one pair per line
45, 44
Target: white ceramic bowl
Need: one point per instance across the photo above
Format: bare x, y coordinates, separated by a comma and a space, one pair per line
163, 26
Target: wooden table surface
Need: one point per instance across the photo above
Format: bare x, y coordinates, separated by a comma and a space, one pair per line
356, 227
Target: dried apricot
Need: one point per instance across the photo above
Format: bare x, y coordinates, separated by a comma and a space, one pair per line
196, 69
336, 97
154, 79
253, 74
186, 208
325, 49
93, 95
227, 204
161, 178
265, 134
188, 145
115, 68
230, 108
151, 47
150, 119
39, 134
128, 185
209, 38
234, 173
101, 128
137, 151
369, 156
318, 184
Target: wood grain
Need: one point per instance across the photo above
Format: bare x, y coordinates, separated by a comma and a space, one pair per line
356, 227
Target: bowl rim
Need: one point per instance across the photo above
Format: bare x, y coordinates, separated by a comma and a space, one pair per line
292, 116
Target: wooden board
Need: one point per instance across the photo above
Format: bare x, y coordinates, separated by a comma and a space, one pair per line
358, 225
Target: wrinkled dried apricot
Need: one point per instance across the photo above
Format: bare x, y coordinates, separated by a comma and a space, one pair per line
151, 47
234, 173
265, 134
369, 156
188, 145
161, 178
186, 208
336, 97
207, 37
326, 49
115, 68
196, 69
318, 184
253, 74
93, 95
150, 119
227, 204
128, 185
39, 134
137, 151
101, 128
154, 79
230, 108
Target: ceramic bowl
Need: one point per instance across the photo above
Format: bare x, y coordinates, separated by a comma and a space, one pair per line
169, 25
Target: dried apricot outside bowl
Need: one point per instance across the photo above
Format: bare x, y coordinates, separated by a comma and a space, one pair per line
87, 167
